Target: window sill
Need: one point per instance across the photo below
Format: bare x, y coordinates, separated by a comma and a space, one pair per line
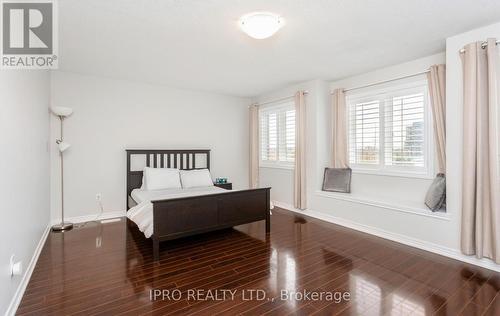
415, 209
277, 166
406, 175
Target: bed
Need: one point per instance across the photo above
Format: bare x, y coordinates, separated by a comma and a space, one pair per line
169, 214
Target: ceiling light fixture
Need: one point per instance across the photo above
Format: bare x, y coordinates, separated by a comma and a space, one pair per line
261, 25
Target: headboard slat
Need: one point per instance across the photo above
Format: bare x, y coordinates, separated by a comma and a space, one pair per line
134, 178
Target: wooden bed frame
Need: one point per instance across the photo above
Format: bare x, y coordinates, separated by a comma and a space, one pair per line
180, 217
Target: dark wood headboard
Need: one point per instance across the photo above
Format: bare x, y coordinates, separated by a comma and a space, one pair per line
184, 159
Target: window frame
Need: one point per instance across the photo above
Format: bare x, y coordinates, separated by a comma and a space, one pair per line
277, 107
384, 93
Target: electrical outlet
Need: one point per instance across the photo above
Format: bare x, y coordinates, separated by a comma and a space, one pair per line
98, 197
16, 268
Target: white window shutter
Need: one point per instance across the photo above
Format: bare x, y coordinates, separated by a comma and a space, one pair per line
289, 136
404, 131
390, 131
277, 135
364, 132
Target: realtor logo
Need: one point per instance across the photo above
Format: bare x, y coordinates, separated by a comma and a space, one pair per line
28, 35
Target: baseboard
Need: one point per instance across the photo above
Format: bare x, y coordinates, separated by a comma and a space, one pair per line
14, 303
93, 217
409, 241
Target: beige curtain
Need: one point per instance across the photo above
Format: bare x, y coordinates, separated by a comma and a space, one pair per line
436, 80
480, 233
339, 129
300, 151
254, 147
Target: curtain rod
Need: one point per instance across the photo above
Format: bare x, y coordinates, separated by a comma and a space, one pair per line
384, 81
277, 100
483, 45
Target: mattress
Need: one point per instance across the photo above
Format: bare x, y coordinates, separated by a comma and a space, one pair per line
142, 213
140, 195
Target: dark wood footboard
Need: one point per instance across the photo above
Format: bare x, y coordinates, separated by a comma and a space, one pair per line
176, 218
180, 217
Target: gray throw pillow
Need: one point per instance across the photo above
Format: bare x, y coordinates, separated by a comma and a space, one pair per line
337, 180
435, 199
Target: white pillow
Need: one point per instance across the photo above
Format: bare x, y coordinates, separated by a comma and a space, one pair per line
196, 178
161, 178
143, 185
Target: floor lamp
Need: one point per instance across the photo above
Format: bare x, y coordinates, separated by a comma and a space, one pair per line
62, 113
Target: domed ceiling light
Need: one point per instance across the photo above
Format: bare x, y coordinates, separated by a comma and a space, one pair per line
261, 25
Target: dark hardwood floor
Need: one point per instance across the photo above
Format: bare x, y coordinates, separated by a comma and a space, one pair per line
107, 269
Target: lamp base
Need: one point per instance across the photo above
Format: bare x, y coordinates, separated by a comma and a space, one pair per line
65, 226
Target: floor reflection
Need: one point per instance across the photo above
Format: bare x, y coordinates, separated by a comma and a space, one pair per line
402, 305
299, 220
365, 294
290, 277
108, 269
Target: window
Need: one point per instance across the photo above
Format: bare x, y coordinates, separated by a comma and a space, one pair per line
390, 131
277, 136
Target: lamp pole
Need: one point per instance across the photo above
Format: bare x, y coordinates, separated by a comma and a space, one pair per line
63, 226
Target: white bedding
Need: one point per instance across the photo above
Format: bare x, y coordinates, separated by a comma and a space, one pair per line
142, 213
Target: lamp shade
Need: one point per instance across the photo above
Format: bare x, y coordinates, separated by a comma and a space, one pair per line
63, 146
61, 111
261, 25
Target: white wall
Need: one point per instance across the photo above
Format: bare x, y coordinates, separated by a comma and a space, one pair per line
24, 184
388, 189
399, 212
384, 188
112, 115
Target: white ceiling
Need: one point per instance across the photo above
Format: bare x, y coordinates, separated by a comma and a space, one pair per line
196, 44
